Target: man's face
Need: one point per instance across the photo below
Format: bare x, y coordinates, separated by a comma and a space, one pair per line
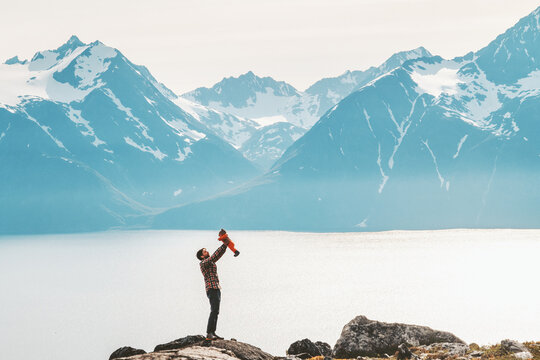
205, 254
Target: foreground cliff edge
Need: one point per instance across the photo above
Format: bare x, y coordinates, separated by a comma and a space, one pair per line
361, 338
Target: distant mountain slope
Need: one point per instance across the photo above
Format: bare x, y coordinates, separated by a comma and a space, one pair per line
268, 143
330, 91
263, 100
433, 144
251, 106
88, 140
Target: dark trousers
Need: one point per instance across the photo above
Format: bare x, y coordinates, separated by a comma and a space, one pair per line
214, 295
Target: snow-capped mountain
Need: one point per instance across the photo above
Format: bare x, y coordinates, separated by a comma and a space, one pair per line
434, 143
267, 144
330, 91
252, 106
233, 129
263, 100
89, 140
252, 110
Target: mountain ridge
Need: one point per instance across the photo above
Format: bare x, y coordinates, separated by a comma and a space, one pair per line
114, 138
406, 151
262, 101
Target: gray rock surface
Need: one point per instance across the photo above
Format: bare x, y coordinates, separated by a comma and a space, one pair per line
512, 346
190, 353
180, 343
364, 337
403, 352
125, 352
195, 347
450, 349
241, 350
516, 348
326, 349
306, 349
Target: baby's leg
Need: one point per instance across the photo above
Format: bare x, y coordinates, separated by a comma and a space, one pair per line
231, 246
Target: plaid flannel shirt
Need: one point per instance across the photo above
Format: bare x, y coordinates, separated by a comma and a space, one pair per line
209, 268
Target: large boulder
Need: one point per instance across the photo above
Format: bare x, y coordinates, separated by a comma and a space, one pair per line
125, 351
515, 348
364, 337
326, 349
306, 349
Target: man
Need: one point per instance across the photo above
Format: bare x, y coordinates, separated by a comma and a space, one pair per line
211, 282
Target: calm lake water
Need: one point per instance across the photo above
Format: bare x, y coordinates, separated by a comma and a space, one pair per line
85, 295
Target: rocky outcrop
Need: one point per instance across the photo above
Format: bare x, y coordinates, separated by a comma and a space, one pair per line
515, 348
360, 337
195, 347
195, 352
241, 350
306, 349
125, 352
364, 337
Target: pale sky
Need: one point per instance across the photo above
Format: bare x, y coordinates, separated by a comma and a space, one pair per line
191, 43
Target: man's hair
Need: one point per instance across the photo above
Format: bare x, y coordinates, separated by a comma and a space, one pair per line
199, 254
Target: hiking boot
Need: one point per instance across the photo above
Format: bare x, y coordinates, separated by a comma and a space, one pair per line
217, 337
236, 253
210, 337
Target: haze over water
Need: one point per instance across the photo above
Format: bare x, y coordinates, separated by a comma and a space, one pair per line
86, 295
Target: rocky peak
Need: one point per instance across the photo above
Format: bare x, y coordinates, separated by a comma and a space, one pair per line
399, 58
72, 43
238, 91
15, 60
515, 53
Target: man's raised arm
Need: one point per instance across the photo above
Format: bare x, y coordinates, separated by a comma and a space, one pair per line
219, 252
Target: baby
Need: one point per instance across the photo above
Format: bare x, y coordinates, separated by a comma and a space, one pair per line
222, 236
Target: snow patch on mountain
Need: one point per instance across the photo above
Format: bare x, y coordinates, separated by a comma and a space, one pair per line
269, 120
191, 107
76, 117
529, 85
266, 105
233, 129
434, 158
25, 80
383, 175
183, 153
460, 144
129, 115
144, 148
47, 131
366, 116
183, 130
89, 67
437, 79
362, 224
463, 89
402, 129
